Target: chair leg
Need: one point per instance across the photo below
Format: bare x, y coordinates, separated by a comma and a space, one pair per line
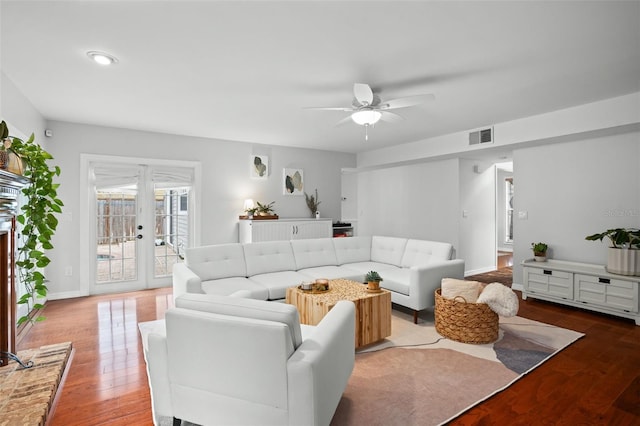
415, 317
177, 422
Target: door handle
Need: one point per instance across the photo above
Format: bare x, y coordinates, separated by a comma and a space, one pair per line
139, 226
139, 236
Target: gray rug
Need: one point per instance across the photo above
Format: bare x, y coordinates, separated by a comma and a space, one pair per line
418, 377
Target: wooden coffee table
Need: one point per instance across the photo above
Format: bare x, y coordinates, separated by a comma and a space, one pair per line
373, 309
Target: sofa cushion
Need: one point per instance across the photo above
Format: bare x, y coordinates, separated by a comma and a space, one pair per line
216, 261
352, 249
278, 282
269, 256
420, 252
314, 252
388, 250
246, 308
231, 286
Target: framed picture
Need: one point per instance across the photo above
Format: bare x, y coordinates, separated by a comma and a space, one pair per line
293, 182
259, 167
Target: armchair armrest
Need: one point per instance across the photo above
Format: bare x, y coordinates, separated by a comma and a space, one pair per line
318, 371
158, 373
425, 280
185, 280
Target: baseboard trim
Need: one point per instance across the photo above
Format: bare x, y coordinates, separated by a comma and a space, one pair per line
64, 295
479, 271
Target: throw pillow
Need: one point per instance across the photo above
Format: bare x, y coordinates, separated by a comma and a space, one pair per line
469, 290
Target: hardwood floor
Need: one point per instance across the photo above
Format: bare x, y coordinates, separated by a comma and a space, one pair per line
594, 381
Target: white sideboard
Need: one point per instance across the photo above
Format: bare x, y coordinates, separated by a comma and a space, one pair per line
583, 285
253, 231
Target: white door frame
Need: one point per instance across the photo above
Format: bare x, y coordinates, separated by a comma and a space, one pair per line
87, 206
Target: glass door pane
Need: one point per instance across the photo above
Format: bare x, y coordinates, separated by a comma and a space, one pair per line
116, 223
171, 228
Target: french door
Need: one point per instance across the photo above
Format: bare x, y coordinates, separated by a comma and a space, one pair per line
139, 223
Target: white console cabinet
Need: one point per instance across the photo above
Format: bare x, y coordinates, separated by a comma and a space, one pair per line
253, 231
583, 285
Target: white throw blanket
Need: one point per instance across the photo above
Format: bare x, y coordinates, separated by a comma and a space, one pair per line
500, 298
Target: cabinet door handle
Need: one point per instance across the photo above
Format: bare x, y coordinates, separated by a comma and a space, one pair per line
604, 280
547, 272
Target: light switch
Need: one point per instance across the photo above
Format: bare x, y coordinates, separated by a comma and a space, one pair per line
465, 213
524, 215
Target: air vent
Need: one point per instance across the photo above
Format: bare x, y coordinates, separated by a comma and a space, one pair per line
481, 136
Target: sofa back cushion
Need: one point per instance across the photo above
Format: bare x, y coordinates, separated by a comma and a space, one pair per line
420, 252
246, 308
314, 252
352, 249
217, 261
269, 256
387, 249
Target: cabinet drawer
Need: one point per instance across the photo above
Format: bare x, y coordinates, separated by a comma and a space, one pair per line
549, 282
608, 292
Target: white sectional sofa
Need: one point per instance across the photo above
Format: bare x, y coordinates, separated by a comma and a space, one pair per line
411, 269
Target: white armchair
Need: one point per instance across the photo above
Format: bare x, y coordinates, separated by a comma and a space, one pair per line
236, 361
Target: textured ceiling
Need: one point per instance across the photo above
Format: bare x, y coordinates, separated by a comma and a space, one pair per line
245, 70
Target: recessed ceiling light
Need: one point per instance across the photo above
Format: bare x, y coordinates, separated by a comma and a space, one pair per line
102, 58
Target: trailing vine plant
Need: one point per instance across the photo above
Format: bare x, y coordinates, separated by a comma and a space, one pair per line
37, 217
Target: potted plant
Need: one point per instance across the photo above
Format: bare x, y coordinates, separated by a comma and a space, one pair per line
312, 203
624, 253
373, 280
251, 211
539, 251
37, 218
265, 209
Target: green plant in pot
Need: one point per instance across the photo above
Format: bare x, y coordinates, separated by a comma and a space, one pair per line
373, 280
624, 252
265, 209
37, 217
539, 251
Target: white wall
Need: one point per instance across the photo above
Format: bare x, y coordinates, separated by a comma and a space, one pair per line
225, 178
574, 189
477, 211
418, 201
23, 119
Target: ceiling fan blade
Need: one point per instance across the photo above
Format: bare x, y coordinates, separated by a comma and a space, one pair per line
344, 121
363, 93
330, 108
391, 117
406, 102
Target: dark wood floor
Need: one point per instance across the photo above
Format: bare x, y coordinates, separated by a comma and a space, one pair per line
594, 381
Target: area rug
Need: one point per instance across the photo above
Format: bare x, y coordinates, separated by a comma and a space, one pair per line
27, 395
417, 377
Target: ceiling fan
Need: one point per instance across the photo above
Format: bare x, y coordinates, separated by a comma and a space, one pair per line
367, 108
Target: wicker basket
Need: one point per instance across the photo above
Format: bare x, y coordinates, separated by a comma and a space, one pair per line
465, 322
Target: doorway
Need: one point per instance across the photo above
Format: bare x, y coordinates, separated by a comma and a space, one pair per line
139, 222
505, 191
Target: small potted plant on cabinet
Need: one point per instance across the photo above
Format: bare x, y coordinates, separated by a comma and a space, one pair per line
373, 280
624, 252
266, 209
539, 251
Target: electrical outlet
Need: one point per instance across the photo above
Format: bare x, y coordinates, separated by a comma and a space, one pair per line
68, 271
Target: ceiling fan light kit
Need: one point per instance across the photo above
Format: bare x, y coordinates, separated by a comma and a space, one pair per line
366, 117
367, 108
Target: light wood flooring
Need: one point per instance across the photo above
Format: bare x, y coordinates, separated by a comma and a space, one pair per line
594, 381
